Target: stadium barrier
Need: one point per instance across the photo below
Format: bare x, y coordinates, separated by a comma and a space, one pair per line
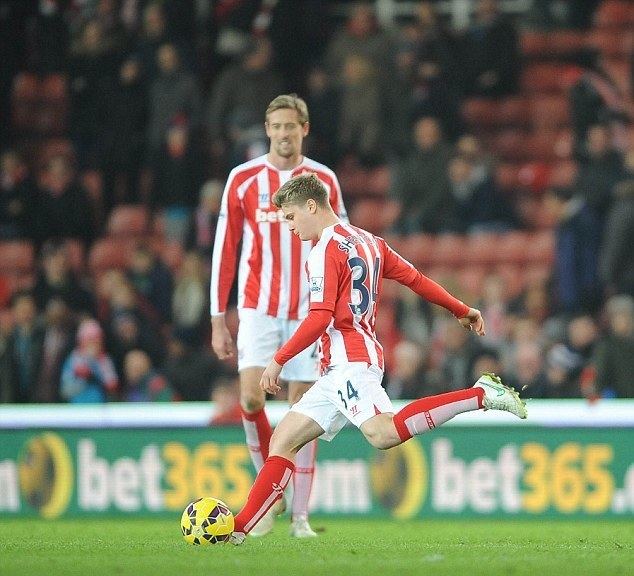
570, 459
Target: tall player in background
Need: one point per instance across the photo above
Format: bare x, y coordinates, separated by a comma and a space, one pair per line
272, 290
345, 271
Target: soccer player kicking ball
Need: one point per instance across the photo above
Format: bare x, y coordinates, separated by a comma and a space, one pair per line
273, 293
345, 269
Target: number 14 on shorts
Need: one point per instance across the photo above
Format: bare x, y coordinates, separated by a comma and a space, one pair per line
350, 393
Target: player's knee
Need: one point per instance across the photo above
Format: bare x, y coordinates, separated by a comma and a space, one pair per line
378, 439
251, 402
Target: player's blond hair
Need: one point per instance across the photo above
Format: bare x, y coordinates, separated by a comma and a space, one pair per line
291, 102
300, 189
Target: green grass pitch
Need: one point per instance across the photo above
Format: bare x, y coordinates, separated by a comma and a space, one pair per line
139, 547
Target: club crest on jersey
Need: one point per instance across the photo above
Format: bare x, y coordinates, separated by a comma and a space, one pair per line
316, 284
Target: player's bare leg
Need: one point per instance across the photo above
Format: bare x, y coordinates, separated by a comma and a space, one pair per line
304, 473
257, 430
294, 431
385, 431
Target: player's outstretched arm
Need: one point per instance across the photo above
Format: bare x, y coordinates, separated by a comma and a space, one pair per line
221, 340
473, 321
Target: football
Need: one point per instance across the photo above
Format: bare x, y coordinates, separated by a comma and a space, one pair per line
206, 521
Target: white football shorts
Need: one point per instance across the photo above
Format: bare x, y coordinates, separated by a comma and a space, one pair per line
259, 338
351, 392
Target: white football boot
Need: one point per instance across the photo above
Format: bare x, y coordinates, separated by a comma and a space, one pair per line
236, 538
265, 525
300, 528
497, 396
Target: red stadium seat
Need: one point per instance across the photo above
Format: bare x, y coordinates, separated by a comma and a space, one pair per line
448, 250
417, 249
612, 42
540, 248
614, 14
54, 88
513, 278
550, 111
563, 173
374, 215
107, 253
542, 77
128, 220
480, 248
511, 248
26, 88
76, 254
471, 280
17, 256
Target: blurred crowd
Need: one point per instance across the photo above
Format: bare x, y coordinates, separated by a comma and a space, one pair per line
161, 98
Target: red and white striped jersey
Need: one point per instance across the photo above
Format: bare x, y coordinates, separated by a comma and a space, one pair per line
345, 274
272, 260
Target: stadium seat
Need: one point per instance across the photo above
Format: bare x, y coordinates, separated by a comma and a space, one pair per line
511, 247
550, 111
614, 14
542, 77
563, 173
26, 88
471, 280
76, 254
17, 256
109, 253
374, 215
54, 89
540, 248
513, 278
448, 250
128, 220
170, 252
417, 249
537, 274
480, 248
611, 42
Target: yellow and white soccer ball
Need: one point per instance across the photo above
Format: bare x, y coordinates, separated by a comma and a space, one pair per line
206, 521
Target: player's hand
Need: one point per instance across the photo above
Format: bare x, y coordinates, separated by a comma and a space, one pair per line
473, 321
269, 381
221, 340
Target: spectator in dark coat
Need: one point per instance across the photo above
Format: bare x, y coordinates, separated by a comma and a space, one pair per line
142, 382
92, 68
62, 207
491, 55
421, 184
238, 101
177, 178
124, 137
57, 280
153, 280
614, 353
24, 348
577, 245
616, 261
191, 371
600, 170
173, 93
17, 193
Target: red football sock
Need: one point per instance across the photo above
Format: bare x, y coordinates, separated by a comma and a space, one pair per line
258, 433
266, 490
426, 413
303, 479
